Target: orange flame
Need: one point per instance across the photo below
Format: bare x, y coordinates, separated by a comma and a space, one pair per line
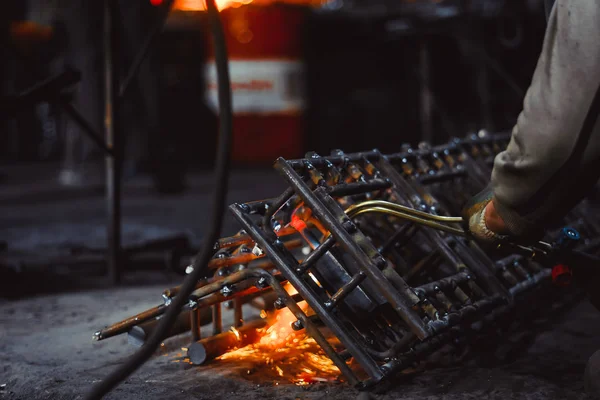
200, 5
287, 354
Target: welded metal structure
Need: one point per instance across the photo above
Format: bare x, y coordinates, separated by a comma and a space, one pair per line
386, 269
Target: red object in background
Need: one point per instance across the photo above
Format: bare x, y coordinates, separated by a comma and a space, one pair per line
156, 2
266, 69
562, 275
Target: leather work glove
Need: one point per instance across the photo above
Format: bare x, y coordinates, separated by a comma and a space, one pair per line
474, 217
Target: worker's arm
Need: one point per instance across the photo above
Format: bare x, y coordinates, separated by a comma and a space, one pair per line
532, 184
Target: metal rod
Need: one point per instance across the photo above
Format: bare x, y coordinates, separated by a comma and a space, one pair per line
86, 127
276, 205
127, 324
392, 240
113, 162
423, 216
238, 315
138, 335
212, 347
217, 319
316, 254
408, 217
345, 290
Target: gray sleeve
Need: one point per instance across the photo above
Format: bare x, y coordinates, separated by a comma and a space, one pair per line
532, 182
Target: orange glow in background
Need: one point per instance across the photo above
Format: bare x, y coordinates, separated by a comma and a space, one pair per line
200, 5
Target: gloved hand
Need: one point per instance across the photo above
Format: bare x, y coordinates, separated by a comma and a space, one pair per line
474, 217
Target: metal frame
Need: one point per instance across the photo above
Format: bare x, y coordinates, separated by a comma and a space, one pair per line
391, 291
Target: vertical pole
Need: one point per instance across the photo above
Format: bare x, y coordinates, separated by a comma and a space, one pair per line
113, 184
238, 316
426, 100
195, 325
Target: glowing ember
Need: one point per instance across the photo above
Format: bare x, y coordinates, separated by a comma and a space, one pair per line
285, 354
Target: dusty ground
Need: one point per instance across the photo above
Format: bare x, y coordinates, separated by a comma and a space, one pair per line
46, 347
47, 353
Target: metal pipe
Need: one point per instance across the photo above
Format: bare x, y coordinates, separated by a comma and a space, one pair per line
217, 318
138, 334
111, 130
423, 216
345, 290
238, 315
128, 323
212, 347
408, 217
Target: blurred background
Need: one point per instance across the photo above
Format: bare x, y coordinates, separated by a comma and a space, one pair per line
307, 75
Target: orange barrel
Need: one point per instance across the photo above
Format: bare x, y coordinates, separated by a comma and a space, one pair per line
266, 71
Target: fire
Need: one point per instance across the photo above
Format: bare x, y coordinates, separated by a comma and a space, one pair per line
200, 5
285, 354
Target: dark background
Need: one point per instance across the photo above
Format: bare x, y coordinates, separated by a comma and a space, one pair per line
364, 81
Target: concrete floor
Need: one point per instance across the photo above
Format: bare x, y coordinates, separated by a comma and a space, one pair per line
46, 347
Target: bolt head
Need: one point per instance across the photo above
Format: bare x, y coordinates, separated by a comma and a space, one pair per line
297, 325
349, 226
257, 251
279, 304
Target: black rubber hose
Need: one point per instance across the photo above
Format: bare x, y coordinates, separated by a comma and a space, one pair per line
222, 177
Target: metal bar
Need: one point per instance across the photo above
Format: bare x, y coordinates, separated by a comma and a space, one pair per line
238, 314
202, 351
442, 177
138, 334
345, 290
127, 324
398, 299
316, 254
240, 239
409, 217
531, 282
217, 319
113, 161
444, 284
276, 205
335, 160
